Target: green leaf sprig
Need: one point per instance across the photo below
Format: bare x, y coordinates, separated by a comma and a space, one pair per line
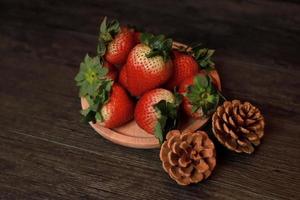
160, 45
203, 95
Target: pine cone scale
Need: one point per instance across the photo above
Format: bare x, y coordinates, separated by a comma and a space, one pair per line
183, 161
207, 153
231, 144
186, 171
173, 159
198, 176
202, 166
231, 122
211, 162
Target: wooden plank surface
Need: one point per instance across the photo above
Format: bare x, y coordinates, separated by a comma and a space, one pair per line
46, 153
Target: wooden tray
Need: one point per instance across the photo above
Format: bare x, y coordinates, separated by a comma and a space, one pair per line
131, 135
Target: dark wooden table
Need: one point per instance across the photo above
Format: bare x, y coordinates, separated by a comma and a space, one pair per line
46, 153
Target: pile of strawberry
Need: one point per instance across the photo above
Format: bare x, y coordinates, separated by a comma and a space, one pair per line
139, 76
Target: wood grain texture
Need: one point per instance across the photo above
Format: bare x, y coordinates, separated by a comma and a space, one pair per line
46, 153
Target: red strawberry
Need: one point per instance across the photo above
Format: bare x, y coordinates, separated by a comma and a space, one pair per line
123, 77
119, 108
148, 64
112, 71
115, 43
156, 112
200, 96
184, 66
109, 104
119, 48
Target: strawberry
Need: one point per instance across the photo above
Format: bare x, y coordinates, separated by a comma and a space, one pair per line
112, 107
156, 112
200, 96
108, 101
148, 65
184, 66
123, 77
115, 43
112, 71
119, 48
118, 110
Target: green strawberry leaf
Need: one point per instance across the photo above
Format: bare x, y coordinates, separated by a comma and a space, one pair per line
178, 98
88, 116
145, 38
203, 57
98, 117
90, 75
97, 101
101, 48
103, 26
167, 120
203, 96
106, 34
158, 131
108, 29
201, 82
113, 27
160, 45
94, 86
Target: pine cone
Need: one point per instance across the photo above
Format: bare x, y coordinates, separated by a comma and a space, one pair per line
188, 157
238, 126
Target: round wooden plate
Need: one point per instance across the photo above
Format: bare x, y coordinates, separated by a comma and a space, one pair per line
131, 135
